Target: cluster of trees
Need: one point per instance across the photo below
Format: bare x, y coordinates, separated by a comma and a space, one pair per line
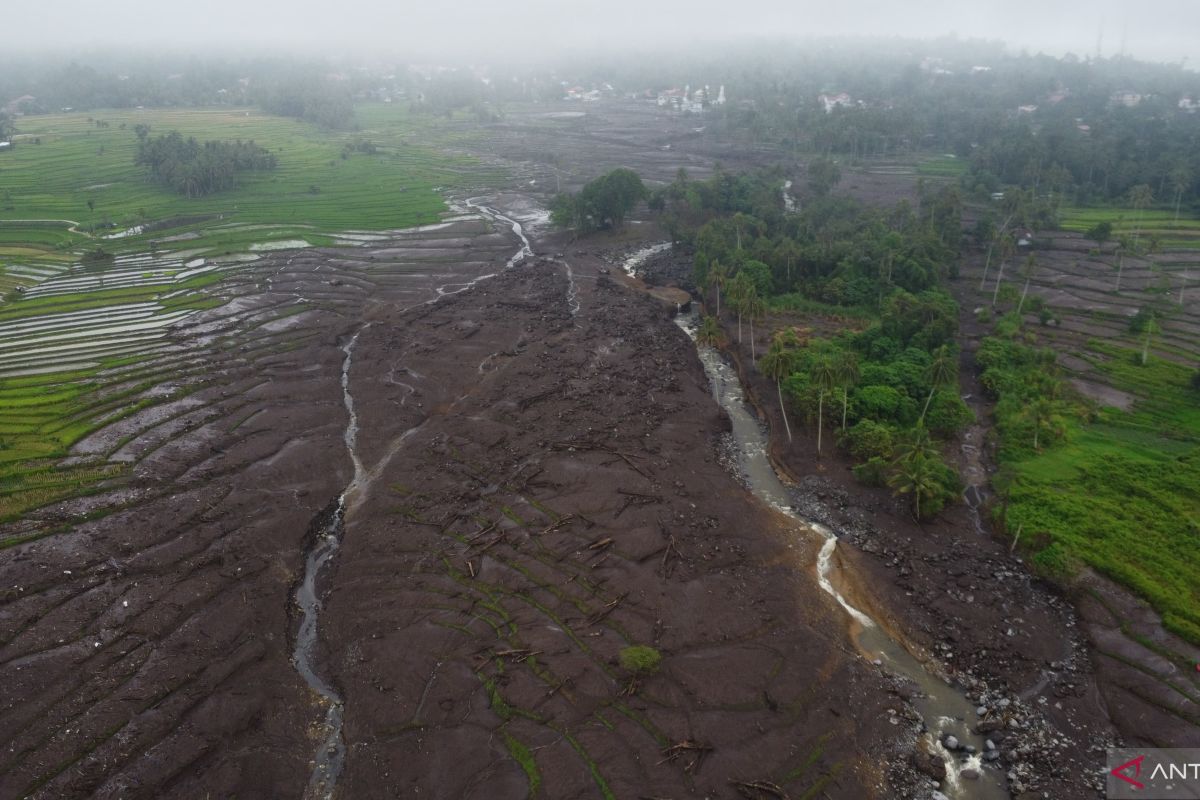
603, 203
889, 391
197, 169
7, 128
835, 251
310, 98
1032, 400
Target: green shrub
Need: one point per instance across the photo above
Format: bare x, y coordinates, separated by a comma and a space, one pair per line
880, 403
948, 415
640, 659
868, 439
873, 472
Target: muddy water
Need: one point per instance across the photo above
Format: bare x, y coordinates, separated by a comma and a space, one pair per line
942, 708
331, 753
635, 260
330, 756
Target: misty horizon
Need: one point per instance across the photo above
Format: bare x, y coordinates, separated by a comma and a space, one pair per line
533, 30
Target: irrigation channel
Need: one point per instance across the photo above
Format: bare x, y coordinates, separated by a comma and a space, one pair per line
944, 710
329, 528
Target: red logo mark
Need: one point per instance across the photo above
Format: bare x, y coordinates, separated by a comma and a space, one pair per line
1137, 771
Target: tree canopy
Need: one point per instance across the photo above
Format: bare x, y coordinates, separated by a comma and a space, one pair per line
604, 202
194, 169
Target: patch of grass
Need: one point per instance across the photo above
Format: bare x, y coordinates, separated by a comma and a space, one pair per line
523, 756
640, 659
942, 167
50, 185
1149, 223
1120, 491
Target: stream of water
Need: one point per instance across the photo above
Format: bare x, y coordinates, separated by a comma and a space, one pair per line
331, 754
944, 710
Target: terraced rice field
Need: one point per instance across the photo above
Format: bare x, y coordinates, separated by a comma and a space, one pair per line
72, 174
1152, 224
1118, 493
100, 366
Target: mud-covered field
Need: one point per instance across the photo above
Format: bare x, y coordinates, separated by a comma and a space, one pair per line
522, 475
537, 487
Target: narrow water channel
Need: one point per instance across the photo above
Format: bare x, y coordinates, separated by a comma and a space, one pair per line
943, 709
331, 753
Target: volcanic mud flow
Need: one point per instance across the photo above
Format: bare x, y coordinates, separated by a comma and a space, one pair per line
543, 492
147, 629
397, 539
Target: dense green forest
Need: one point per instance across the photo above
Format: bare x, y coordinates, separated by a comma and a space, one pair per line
886, 386
196, 169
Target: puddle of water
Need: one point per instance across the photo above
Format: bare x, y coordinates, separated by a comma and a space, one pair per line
283, 244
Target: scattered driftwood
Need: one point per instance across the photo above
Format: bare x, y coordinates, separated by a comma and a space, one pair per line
587, 446
517, 655
486, 530
756, 790
691, 752
636, 498
564, 521
602, 613
671, 549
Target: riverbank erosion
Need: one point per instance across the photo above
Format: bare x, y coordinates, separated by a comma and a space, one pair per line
961, 603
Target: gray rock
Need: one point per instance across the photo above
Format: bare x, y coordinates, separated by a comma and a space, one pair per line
970, 773
989, 744
951, 742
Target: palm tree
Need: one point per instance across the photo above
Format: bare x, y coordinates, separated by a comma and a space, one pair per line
1030, 267
1181, 179
1150, 327
997, 237
739, 289
778, 363
1124, 245
756, 308
1043, 414
825, 377
710, 332
913, 443
1140, 197
717, 277
1007, 248
917, 477
846, 370
915, 466
940, 373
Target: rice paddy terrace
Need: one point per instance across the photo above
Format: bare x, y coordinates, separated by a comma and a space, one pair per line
112, 303
1117, 494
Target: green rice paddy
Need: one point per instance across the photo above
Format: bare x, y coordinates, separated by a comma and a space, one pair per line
1122, 493
1149, 224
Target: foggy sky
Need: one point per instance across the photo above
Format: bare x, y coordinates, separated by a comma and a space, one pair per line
1156, 30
